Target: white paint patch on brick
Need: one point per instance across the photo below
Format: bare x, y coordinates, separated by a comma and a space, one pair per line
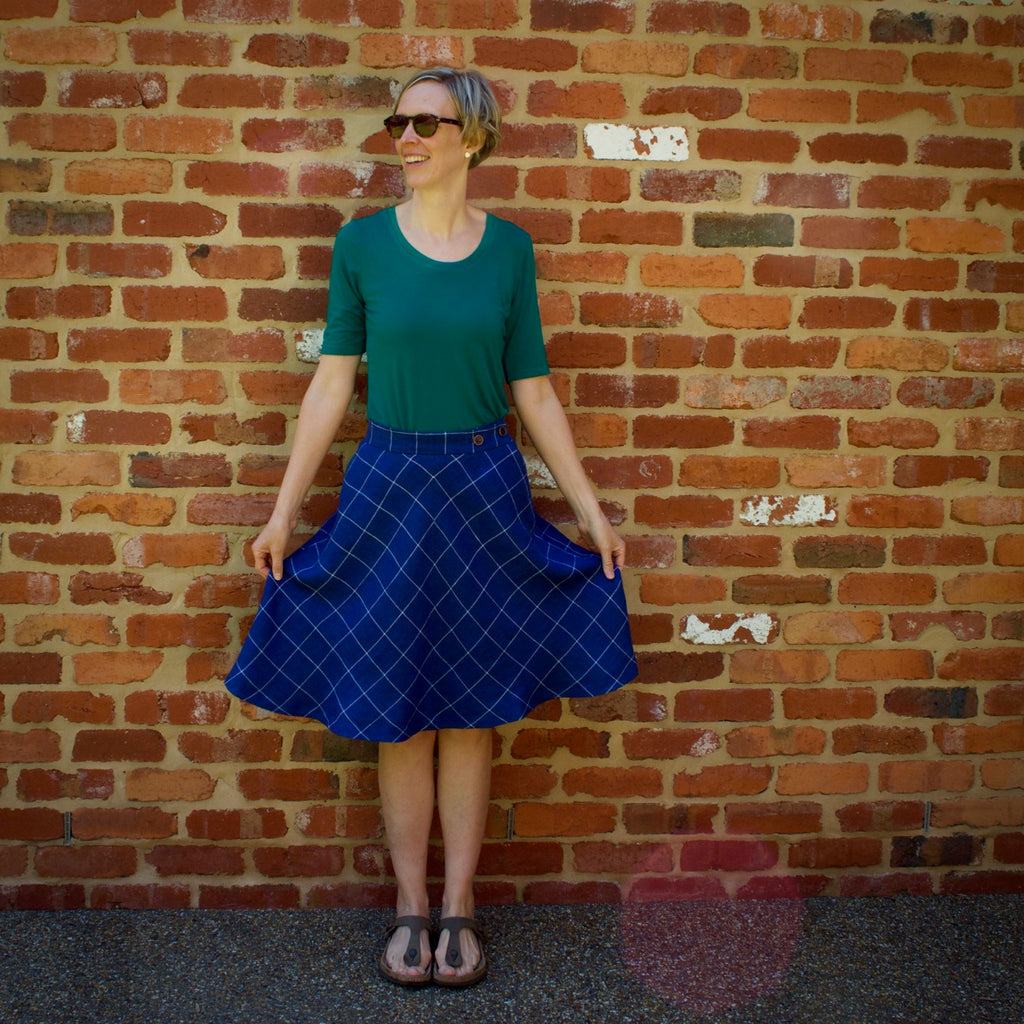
76, 427
697, 631
538, 472
808, 510
707, 744
625, 142
308, 344
362, 171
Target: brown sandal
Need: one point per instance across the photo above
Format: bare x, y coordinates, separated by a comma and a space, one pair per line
412, 954
453, 955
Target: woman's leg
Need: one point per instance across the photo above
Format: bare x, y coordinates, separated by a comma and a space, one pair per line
406, 775
463, 795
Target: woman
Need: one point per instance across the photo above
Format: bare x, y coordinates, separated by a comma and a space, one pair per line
435, 604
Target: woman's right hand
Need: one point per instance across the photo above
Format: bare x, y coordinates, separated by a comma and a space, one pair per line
269, 548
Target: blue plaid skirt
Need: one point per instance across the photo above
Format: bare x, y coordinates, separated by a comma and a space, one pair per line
434, 598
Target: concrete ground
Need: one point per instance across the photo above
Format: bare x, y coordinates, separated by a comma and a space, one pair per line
905, 960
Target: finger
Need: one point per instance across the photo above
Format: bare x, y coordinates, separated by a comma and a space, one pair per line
608, 562
277, 564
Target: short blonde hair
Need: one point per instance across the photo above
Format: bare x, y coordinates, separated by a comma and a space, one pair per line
475, 106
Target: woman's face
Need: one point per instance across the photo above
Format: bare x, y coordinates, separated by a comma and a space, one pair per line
436, 160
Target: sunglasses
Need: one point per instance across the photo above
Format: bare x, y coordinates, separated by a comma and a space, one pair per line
424, 125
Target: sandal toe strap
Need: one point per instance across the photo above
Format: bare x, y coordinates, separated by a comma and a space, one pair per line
454, 925
415, 925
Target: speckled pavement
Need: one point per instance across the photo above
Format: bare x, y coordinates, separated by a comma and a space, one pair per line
904, 960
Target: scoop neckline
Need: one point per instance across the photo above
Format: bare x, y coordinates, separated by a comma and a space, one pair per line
405, 243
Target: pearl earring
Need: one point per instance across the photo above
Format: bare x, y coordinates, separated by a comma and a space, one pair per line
468, 155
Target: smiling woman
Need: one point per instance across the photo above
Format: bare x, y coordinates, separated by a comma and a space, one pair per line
435, 604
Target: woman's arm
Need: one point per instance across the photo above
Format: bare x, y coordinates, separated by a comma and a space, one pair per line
544, 418
326, 400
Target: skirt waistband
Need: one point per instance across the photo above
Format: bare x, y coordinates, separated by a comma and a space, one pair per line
455, 442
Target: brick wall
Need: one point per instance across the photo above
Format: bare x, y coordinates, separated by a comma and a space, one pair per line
781, 277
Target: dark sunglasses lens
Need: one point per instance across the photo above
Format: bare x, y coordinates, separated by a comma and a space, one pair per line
424, 125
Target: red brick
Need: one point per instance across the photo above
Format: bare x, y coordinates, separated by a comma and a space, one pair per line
884, 67
674, 819
154, 46
61, 45
854, 702
800, 105
613, 782
963, 625
26, 343
237, 179
710, 549
748, 145
925, 776
75, 133
981, 70
73, 302
643, 391
770, 741
773, 818
95, 709
831, 853
86, 862
983, 664
863, 666
664, 185
532, 54
888, 192
116, 667
723, 780
979, 739
821, 432
662, 744
244, 745
683, 511
627, 859
721, 471
774, 271
723, 706
877, 739
858, 148
26, 260
860, 312
886, 588
299, 861
910, 275
886, 106
63, 549
22, 88
960, 151
287, 51
881, 816
575, 819
894, 511
777, 350
632, 310
42, 897
893, 432
657, 270
733, 60
34, 824
119, 745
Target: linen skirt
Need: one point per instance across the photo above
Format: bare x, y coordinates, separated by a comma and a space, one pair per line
435, 597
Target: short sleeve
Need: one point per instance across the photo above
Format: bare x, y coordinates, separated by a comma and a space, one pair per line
524, 339
345, 331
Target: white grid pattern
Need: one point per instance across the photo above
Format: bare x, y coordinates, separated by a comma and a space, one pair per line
435, 597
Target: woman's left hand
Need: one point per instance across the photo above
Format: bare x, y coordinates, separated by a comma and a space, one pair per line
599, 536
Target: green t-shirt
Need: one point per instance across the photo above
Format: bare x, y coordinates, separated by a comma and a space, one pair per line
441, 339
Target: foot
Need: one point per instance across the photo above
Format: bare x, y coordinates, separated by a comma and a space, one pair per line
407, 958
459, 960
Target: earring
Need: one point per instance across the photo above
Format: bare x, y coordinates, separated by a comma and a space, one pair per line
468, 155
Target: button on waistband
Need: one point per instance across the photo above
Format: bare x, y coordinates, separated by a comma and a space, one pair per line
478, 439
